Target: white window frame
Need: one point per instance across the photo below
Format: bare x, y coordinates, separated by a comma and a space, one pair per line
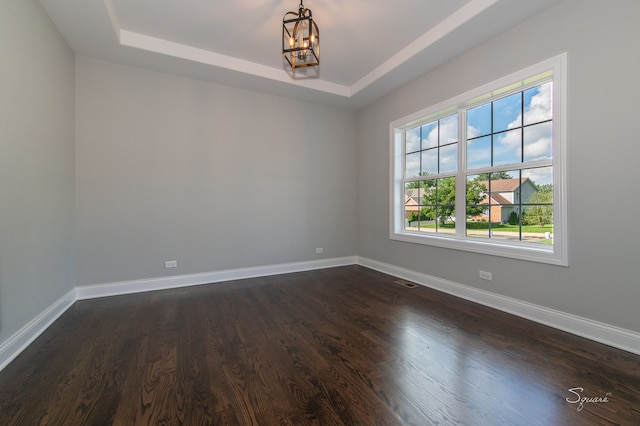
556, 254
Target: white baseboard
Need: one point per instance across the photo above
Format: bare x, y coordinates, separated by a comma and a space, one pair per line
600, 332
613, 336
163, 283
14, 345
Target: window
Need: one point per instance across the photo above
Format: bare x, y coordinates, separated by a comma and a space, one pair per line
485, 171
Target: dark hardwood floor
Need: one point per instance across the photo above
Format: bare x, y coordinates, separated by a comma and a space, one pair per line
337, 346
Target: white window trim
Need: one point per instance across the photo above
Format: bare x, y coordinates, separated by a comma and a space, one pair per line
558, 255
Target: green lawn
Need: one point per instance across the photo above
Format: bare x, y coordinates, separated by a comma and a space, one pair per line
496, 227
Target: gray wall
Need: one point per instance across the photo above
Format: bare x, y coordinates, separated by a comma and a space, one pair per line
601, 282
36, 164
170, 168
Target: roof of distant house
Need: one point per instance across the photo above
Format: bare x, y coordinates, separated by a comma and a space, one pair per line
498, 199
504, 185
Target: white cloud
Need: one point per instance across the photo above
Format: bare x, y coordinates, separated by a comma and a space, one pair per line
539, 176
448, 159
540, 107
509, 142
472, 132
538, 138
445, 133
412, 141
449, 130
412, 165
432, 138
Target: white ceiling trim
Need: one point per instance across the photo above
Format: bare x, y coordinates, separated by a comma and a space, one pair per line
445, 27
177, 50
101, 30
207, 57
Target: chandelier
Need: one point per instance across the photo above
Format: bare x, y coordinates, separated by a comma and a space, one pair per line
300, 39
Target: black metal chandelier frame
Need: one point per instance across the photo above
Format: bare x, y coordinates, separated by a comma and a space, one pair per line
300, 39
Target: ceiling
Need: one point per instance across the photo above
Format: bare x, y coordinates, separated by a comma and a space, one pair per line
369, 47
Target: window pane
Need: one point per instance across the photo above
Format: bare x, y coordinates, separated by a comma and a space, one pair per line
477, 208
537, 218
479, 153
507, 148
504, 206
503, 189
427, 206
410, 215
538, 104
430, 135
542, 180
412, 190
446, 205
538, 142
411, 203
449, 158
412, 140
446, 191
538, 224
449, 130
507, 224
507, 113
426, 187
479, 121
412, 165
445, 220
430, 162
437, 206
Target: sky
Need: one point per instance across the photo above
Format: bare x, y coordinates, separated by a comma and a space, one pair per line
434, 144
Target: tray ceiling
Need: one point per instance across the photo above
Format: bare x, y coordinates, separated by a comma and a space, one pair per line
369, 47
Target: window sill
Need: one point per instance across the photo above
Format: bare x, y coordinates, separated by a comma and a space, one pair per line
531, 252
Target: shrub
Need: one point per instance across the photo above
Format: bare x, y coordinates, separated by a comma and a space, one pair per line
513, 218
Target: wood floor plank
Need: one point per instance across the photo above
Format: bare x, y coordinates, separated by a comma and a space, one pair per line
336, 346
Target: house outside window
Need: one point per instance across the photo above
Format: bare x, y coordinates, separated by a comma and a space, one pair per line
485, 171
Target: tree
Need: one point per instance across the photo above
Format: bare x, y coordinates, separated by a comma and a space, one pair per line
440, 199
494, 176
541, 212
422, 215
513, 218
475, 193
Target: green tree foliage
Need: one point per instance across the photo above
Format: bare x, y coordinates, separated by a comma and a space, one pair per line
440, 199
422, 215
513, 218
494, 176
541, 212
475, 193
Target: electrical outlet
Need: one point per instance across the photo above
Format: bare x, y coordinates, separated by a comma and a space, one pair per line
171, 264
486, 275
319, 250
